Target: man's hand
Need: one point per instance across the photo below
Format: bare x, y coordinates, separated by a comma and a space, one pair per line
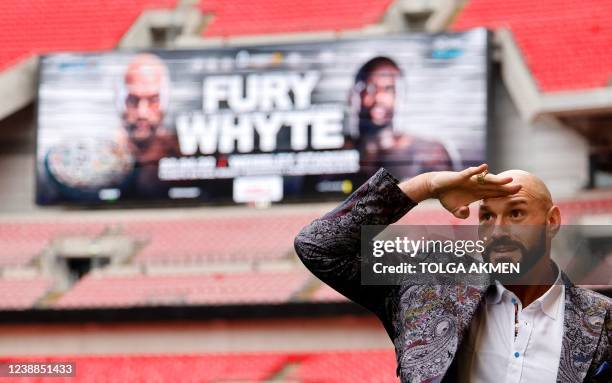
456, 190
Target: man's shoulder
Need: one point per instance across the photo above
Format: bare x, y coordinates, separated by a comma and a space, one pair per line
594, 299
421, 143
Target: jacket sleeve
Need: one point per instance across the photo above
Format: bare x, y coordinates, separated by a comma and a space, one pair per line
330, 245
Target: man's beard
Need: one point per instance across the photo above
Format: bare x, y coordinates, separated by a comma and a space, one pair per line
529, 257
141, 143
367, 127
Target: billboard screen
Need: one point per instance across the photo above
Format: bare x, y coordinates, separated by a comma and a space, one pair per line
302, 121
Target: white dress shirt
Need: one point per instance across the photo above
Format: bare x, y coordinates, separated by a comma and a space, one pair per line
492, 353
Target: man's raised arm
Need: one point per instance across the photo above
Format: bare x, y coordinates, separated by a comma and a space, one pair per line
330, 245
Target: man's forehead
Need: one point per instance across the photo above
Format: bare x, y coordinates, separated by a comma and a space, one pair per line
384, 69
513, 200
144, 89
144, 81
145, 73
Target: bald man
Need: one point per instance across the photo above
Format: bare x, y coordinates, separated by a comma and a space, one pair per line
537, 328
146, 78
146, 82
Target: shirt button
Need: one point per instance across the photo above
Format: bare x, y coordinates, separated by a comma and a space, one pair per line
517, 354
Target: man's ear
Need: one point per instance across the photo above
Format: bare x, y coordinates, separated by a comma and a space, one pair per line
553, 221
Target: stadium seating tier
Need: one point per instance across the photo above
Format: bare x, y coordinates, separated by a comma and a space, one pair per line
355, 366
565, 43
22, 293
208, 289
571, 51
229, 240
40, 26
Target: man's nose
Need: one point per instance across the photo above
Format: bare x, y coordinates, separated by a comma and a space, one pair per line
143, 107
379, 95
499, 230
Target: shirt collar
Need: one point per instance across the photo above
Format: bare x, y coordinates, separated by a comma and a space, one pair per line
495, 293
548, 302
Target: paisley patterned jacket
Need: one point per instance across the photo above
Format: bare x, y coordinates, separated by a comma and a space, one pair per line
427, 323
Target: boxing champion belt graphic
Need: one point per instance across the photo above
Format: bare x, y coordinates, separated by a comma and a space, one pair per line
81, 168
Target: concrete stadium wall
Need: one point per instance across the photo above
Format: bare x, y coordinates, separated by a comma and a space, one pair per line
17, 161
556, 153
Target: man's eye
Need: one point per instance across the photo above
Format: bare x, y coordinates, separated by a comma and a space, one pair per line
390, 89
486, 216
516, 213
132, 100
370, 89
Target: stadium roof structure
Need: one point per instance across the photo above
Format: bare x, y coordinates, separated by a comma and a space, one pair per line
555, 54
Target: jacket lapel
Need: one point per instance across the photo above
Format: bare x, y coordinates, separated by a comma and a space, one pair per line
583, 323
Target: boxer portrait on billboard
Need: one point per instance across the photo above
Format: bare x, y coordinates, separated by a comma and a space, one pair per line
143, 102
374, 99
124, 164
